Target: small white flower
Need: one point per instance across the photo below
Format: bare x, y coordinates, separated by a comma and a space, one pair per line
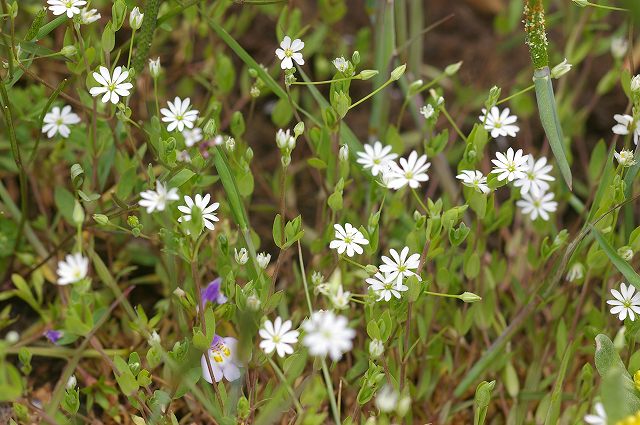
154, 338
411, 171
157, 200
58, 121
178, 115
635, 83
88, 16
135, 18
341, 64
625, 158
537, 205
376, 348
154, 67
560, 69
71, 382
113, 86
375, 157
474, 179
289, 51
625, 125
230, 144
241, 256
600, 416
73, 269
343, 153
317, 278
263, 259
576, 272
401, 265
191, 137
387, 399
510, 166
499, 123
222, 358
202, 204
340, 298
70, 7
626, 302
536, 177
385, 286
427, 111
284, 140
278, 336
349, 239
619, 46
327, 334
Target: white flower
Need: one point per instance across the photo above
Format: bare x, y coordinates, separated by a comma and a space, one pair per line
401, 266
327, 334
625, 125
625, 158
348, 239
241, 256
340, 298
58, 121
341, 64
154, 338
284, 140
73, 269
376, 157
536, 177
71, 382
157, 200
154, 67
88, 16
178, 115
202, 204
343, 153
135, 18
183, 156
475, 180
263, 259
635, 83
278, 336
600, 417
626, 302
191, 137
222, 357
510, 166
576, 272
427, 111
619, 46
376, 348
537, 205
113, 86
412, 171
500, 124
386, 287
387, 399
289, 51
70, 7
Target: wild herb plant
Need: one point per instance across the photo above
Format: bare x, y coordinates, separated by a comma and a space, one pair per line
315, 228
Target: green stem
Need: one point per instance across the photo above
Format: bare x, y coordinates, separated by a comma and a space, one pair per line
65, 353
313, 83
523, 91
438, 294
371, 94
287, 385
133, 34
415, 194
350, 261
452, 122
602, 6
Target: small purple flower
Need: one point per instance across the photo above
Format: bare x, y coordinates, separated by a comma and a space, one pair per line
53, 336
213, 294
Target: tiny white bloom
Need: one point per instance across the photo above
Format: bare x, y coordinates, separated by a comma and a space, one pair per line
135, 18
499, 123
70, 7
400, 265
222, 358
113, 86
73, 269
635, 83
349, 239
385, 286
625, 125
474, 179
343, 153
600, 416
410, 171
376, 348
536, 177
157, 200
375, 157
191, 137
202, 204
341, 64
510, 165
88, 16
537, 205
278, 336
178, 115
58, 121
619, 46
427, 111
154, 338
241, 256
387, 398
263, 259
289, 51
71, 382
625, 158
626, 302
284, 140
154, 67
576, 272
340, 298
327, 334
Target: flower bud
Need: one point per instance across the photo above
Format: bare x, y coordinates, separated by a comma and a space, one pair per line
154, 338
453, 68
209, 129
469, 297
576, 272
12, 337
253, 302
635, 83
317, 278
263, 259
78, 213
101, 219
355, 57
625, 252
69, 51
135, 18
414, 87
343, 154
179, 292
619, 47
376, 348
387, 399
560, 69
398, 72
71, 382
403, 405
365, 74
285, 141
285, 161
241, 256
581, 3
625, 158
298, 129
154, 67
230, 144
254, 91
371, 269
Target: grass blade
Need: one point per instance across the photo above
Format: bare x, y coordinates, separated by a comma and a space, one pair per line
620, 264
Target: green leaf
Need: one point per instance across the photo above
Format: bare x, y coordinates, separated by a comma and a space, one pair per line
620, 264
124, 376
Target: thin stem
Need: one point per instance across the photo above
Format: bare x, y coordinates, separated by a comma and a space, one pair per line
350, 261
371, 94
415, 195
313, 83
287, 385
453, 123
133, 34
602, 6
438, 294
523, 91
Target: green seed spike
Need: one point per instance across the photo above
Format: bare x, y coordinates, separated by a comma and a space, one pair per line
536, 39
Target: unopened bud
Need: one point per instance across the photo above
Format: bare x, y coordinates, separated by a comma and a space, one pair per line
453, 68
101, 219
376, 348
398, 72
469, 297
365, 74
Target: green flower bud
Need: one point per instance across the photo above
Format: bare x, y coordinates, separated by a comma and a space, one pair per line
209, 129
453, 68
101, 219
398, 72
365, 74
69, 51
469, 297
298, 129
371, 269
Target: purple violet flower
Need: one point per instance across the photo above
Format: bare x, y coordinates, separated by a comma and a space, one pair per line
53, 336
212, 293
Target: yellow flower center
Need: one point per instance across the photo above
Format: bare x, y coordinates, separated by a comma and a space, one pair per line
288, 52
630, 420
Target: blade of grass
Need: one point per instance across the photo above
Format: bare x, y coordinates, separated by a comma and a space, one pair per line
383, 48
619, 263
553, 413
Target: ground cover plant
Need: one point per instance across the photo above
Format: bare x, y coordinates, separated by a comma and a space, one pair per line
306, 212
